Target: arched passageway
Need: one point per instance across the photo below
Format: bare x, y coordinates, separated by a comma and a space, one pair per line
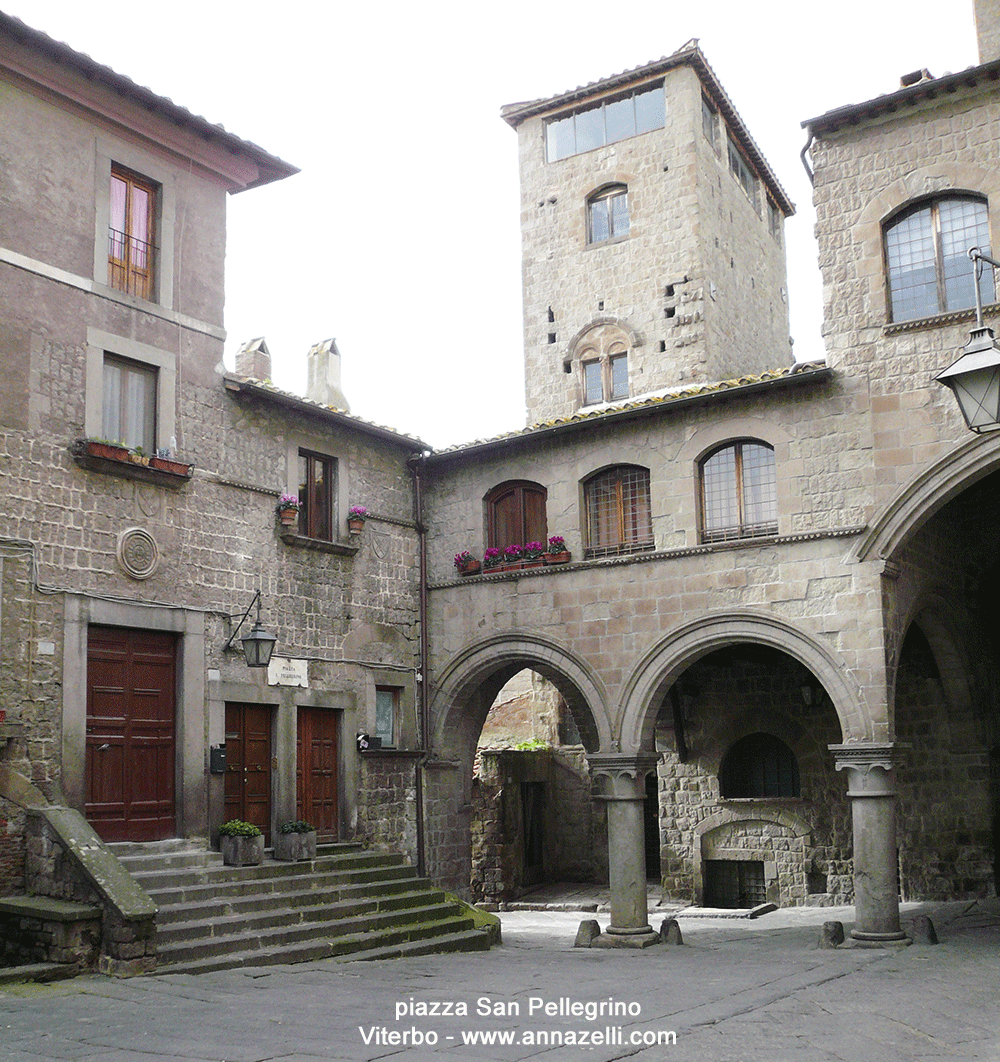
527, 813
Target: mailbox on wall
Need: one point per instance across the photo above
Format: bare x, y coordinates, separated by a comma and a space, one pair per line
217, 759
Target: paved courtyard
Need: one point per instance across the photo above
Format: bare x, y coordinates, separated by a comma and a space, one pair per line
738, 990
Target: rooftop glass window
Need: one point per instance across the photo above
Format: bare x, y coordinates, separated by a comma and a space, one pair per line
606, 122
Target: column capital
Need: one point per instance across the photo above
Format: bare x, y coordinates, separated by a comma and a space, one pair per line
616, 765
866, 755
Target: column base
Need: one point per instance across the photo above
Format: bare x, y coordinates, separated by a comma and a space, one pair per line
877, 940
633, 938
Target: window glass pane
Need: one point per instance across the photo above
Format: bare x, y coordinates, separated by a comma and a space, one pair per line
709, 123
619, 214
119, 192
589, 129
112, 428
618, 511
719, 487
759, 489
592, 384
637, 521
600, 223
316, 489
619, 377
385, 715
909, 248
964, 224
561, 141
650, 110
140, 214
619, 119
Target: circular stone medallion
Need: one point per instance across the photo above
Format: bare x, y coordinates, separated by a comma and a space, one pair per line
137, 553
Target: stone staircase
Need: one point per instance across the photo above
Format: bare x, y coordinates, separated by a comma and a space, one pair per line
347, 903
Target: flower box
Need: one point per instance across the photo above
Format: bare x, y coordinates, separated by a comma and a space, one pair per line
242, 851
168, 464
472, 567
294, 847
557, 558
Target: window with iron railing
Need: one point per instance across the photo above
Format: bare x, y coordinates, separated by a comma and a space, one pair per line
739, 492
618, 512
131, 248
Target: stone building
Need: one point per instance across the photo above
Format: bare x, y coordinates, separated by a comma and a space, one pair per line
777, 599
140, 487
774, 618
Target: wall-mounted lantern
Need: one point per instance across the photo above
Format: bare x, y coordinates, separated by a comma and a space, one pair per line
258, 645
975, 377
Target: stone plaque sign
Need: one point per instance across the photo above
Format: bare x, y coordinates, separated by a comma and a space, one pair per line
285, 672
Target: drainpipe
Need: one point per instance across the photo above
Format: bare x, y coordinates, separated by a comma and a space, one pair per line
805, 162
415, 465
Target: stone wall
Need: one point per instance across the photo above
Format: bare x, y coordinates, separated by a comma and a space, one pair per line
387, 803
720, 274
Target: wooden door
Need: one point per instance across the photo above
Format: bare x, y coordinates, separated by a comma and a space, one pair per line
316, 770
248, 765
130, 748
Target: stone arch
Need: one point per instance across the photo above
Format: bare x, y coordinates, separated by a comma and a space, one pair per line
664, 664
476, 673
926, 493
629, 335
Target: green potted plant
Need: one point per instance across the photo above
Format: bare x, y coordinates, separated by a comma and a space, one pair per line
512, 558
356, 516
294, 841
557, 552
288, 509
241, 844
466, 563
532, 555
492, 558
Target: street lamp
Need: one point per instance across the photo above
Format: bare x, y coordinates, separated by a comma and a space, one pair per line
258, 645
975, 377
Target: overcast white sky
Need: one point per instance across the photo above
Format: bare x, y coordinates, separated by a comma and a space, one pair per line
401, 235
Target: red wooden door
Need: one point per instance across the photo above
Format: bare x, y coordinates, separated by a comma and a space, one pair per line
316, 770
129, 760
248, 765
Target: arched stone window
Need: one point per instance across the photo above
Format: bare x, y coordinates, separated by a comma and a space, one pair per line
607, 214
759, 765
739, 492
515, 514
926, 257
618, 511
600, 355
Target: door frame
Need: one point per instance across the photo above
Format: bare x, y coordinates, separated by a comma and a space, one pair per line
79, 612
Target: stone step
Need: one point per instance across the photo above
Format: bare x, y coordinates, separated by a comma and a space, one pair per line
321, 940
270, 873
305, 905
331, 920
346, 900
273, 890
464, 940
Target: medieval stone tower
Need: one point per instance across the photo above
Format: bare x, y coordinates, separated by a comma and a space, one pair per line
652, 239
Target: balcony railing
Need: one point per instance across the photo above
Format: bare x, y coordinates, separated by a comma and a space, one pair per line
130, 264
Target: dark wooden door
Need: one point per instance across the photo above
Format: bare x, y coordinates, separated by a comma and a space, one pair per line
248, 765
129, 761
316, 770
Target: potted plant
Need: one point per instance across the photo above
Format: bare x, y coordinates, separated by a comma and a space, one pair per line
138, 456
295, 841
288, 509
356, 516
557, 552
492, 558
241, 844
512, 558
466, 563
532, 555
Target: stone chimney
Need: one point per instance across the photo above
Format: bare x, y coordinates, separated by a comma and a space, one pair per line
323, 381
988, 29
254, 359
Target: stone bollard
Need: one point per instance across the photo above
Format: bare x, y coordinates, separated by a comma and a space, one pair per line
588, 932
923, 931
670, 932
832, 935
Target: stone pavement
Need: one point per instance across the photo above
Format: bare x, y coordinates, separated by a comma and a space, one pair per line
739, 990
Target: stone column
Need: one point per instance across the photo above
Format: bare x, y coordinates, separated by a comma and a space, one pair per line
871, 786
624, 781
